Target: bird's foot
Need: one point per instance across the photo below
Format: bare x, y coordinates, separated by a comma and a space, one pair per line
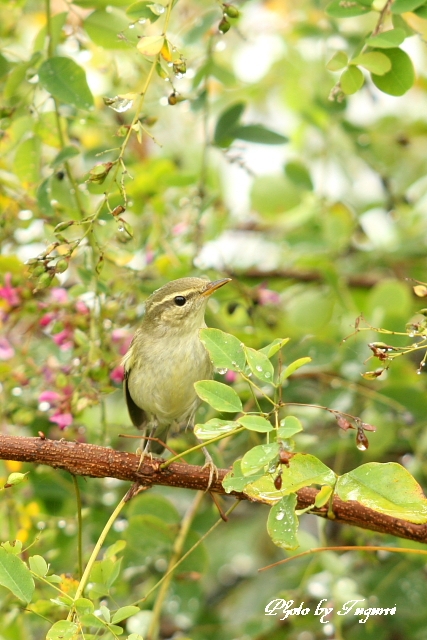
213, 469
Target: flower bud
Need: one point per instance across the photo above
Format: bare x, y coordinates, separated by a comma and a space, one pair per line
231, 10
224, 25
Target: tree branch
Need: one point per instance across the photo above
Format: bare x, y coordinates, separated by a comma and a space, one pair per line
101, 462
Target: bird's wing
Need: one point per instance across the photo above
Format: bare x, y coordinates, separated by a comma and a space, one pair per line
137, 415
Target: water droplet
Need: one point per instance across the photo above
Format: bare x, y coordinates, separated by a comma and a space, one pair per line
120, 228
361, 446
419, 372
250, 374
272, 468
267, 374
222, 370
131, 26
412, 334
280, 515
142, 21
178, 75
158, 9
258, 368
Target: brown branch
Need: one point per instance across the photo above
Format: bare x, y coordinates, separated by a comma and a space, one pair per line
364, 281
101, 462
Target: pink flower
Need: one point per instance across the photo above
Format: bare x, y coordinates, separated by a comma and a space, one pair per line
117, 375
47, 318
81, 307
267, 296
9, 293
6, 350
62, 419
63, 339
49, 396
230, 376
58, 294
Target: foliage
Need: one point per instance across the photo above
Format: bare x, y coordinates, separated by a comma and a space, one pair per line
281, 143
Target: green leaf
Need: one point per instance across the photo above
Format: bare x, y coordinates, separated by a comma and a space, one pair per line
219, 396
351, 80
38, 565
289, 427
124, 612
66, 81
84, 606
63, 630
150, 45
401, 76
103, 27
338, 61
260, 365
282, 523
27, 161
339, 9
323, 496
402, 6
271, 349
256, 423
387, 39
298, 173
15, 576
225, 350
153, 504
147, 535
214, 428
257, 457
294, 366
374, 61
385, 487
141, 11
226, 122
304, 470
105, 571
259, 134
236, 481
65, 154
115, 549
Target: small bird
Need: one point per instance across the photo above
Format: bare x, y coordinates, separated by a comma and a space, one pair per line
166, 357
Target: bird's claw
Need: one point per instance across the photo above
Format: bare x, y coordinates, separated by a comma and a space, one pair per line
213, 469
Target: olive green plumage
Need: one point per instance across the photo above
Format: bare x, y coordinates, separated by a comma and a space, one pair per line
166, 357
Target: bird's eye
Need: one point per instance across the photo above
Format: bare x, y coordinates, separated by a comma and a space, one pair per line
180, 301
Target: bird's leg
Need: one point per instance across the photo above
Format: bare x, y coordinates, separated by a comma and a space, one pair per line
145, 446
213, 469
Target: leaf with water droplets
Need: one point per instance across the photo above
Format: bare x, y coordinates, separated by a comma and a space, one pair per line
260, 365
304, 470
290, 369
258, 457
387, 488
225, 350
214, 428
256, 423
289, 427
220, 396
282, 523
236, 481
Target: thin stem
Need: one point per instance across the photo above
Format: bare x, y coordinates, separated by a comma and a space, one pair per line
346, 548
153, 631
79, 525
190, 551
96, 550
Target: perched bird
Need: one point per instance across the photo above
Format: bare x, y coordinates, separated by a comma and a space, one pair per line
166, 358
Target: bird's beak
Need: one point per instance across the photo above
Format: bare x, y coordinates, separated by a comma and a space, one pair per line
213, 286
